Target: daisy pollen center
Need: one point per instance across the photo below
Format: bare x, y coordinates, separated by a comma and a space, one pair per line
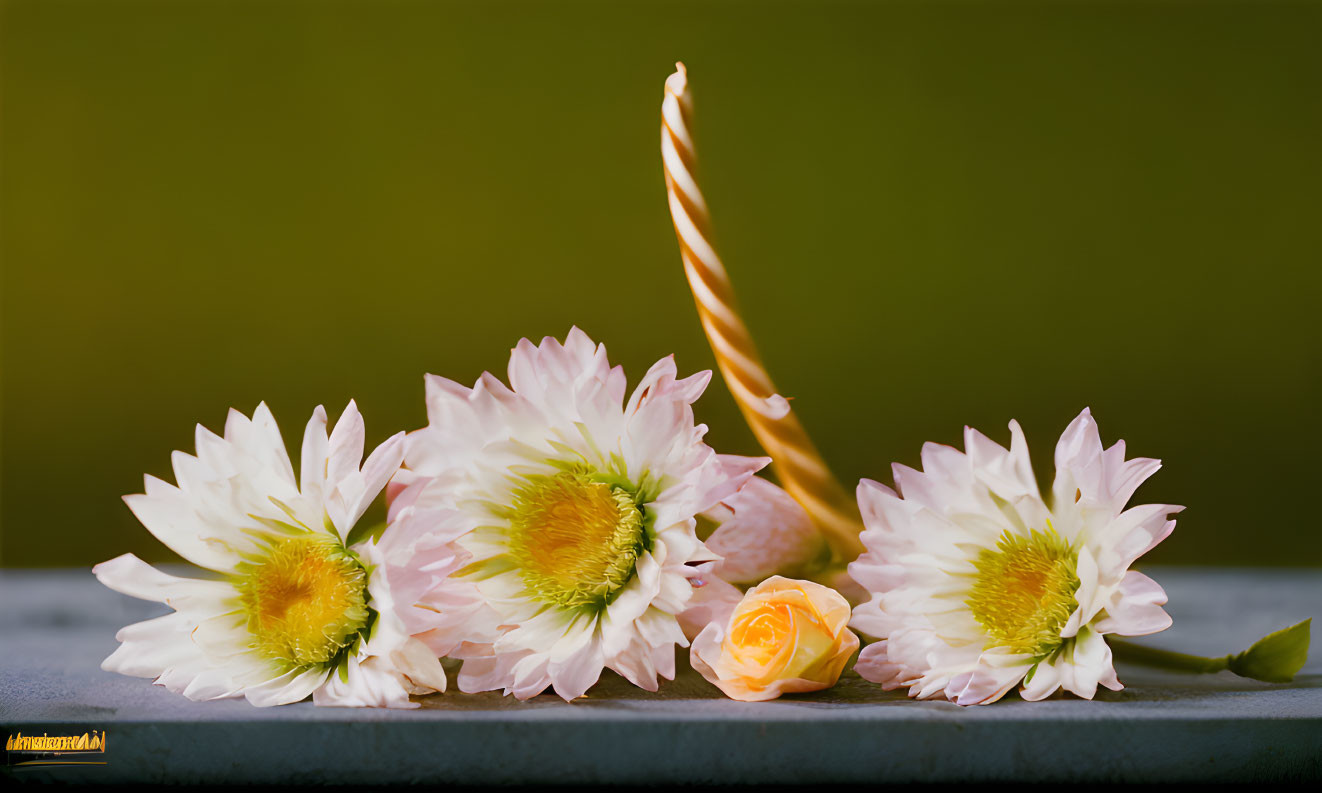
576, 541
1023, 593
305, 602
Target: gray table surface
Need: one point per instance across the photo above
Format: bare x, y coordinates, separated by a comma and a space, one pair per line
58, 625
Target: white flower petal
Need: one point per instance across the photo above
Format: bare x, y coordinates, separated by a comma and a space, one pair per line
1135, 608
637, 664
1090, 662
316, 446
573, 675
531, 676
172, 520
367, 684
1044, 682
131, 576
149, 648
259, 438
1086, 596
345, 447
416, 662
984, 685
293, 686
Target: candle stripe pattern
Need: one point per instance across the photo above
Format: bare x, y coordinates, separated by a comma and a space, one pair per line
797, 463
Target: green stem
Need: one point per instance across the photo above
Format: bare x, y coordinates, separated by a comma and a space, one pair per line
1275, 658
1167, 659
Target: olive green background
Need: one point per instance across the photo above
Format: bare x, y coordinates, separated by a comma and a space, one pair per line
934, 215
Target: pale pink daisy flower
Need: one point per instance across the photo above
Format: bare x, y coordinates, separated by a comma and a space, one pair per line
575, 508
979, 584
295, 610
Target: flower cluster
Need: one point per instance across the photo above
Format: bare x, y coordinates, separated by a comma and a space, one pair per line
541, 531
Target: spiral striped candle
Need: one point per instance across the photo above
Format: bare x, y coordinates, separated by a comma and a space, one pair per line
796, 461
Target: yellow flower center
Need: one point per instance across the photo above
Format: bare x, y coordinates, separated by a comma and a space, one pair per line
574, 540
305, 601
1024, 591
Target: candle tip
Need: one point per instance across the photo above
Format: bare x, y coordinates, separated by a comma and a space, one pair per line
677, 82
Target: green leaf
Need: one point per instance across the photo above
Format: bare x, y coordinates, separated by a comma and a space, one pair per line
1276, 657
364, 531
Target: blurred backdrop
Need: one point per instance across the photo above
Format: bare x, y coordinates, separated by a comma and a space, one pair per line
935, 215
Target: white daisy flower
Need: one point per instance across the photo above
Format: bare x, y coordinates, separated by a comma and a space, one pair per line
978, 584
295, 610
575, 511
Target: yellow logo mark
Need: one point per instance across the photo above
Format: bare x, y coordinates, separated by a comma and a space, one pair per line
87, 742
54, 746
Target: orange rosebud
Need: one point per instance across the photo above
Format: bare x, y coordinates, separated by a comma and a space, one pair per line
785, 636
